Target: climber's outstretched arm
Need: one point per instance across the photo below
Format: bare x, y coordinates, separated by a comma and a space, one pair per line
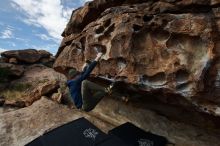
90, 68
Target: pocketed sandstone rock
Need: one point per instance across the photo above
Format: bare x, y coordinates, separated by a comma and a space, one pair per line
167, 46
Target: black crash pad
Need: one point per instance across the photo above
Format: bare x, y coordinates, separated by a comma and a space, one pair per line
76, 133
36, 142
113, 141
135, 136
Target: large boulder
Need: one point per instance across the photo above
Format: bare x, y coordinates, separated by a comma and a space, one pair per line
19, 127
169, 48
36, 81
38, 73
27, 56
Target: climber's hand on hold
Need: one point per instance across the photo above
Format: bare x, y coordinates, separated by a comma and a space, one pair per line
99, 56
99, 47
125, 99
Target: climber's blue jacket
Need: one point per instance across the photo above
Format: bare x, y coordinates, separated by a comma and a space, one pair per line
75, 85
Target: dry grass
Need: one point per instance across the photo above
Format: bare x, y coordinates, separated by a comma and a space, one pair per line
15, 92
12, 94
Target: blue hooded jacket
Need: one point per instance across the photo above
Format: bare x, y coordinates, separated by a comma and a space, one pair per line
75, 85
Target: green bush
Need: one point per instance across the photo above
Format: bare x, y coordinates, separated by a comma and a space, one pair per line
4, 74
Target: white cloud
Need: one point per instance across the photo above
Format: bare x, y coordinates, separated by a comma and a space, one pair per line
44, 37
11, 27
49, 14
7, 33
22, 39
13, 5
83, 1
67, 13
48, 47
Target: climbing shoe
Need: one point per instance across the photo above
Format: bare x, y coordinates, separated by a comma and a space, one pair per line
109, 89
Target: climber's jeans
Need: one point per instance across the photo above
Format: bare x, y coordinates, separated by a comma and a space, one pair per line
91, 94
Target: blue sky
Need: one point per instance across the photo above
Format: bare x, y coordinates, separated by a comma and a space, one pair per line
36, 24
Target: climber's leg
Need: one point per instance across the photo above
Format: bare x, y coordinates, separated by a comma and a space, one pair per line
91, 94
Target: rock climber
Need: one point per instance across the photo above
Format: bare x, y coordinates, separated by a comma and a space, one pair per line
84, 93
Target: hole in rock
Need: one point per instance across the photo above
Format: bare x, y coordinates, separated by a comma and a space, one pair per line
76, 44
122, 63
118, 45
147, 18
138, 16
164, 22
136, 27
165, 54
176, 64
110, 29
102, 37
197, 8
83, 41
182, 76
120, 59
121, 77
160, 35
183, 87
186, 43
156, 80
157, 10
107, 23
174, 42
99, 30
